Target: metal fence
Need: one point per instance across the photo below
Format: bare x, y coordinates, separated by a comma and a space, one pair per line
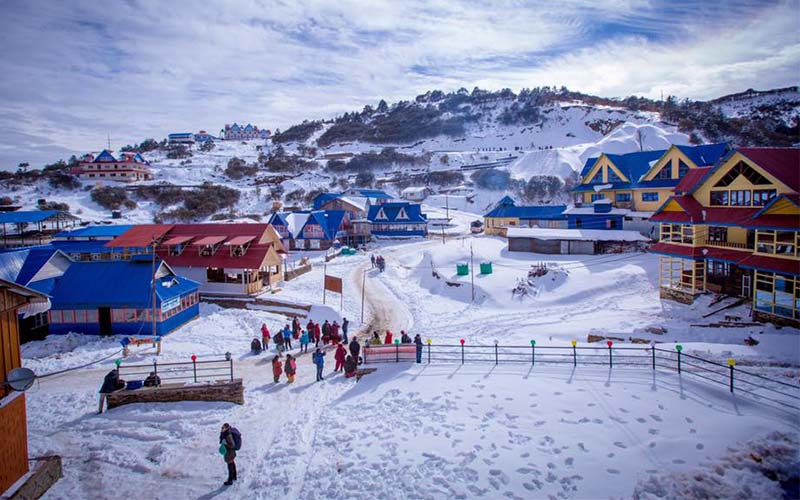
194, 371
785, 393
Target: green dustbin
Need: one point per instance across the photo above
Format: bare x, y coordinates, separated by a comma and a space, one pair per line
486, 268
462, 269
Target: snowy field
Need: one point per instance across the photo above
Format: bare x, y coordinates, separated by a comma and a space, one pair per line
438, 431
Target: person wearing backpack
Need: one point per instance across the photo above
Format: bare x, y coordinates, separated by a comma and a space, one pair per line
276, 369
230, 440
287, 338
291, 368
278, 339
319, 359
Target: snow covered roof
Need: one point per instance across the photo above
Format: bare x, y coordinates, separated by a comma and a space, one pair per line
415, 190
574, 234
357, 201
589, 210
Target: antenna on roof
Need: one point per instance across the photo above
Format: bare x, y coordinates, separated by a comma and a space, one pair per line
109, 142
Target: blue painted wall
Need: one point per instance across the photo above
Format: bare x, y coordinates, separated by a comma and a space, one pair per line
594, 221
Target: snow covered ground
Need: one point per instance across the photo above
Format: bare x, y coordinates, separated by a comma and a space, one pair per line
439, 430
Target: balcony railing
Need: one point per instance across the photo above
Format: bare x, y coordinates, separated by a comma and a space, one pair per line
727, 244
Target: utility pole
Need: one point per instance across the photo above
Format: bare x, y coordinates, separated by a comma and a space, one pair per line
109, 141
472, 270
153, 313
363, 288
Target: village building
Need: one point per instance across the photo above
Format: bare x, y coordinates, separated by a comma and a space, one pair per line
126, 167
16, 300
322, 230
88, 243
642, 181
507, 214
248, 132
397, 220
362, 197
116, 298
416, 193
36, 268
736, 230
185, 138
572, 241
203, 136
226, 259
34, 227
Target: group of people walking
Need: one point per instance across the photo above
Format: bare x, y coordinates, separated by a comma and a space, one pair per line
378, 261
313, 333
346, 359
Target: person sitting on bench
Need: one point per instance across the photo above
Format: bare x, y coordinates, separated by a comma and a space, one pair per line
152, 380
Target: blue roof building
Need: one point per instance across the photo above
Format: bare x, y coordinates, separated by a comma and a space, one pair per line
104, 298
507, 214
397, 220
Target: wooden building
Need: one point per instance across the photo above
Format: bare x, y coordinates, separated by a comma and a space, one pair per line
14, 300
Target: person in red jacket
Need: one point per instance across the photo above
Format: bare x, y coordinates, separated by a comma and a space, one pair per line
388, 339
335, 332
317, 334
310, 329
277, 369
341, 353
265, 336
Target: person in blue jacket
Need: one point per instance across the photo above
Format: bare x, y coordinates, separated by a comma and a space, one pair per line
287, 337
319, 359
418, 344
304, 341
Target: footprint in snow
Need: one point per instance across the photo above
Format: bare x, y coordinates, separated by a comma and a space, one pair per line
551, 465
610, 455
678, 461
623, 410
699, 446
689, 420
569, 461
692, 431
653, 432
612, 471
583, 447
591, 405
620, 444
656, 418
641, 420
525, 455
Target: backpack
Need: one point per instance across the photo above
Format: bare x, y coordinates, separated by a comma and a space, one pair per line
237, 438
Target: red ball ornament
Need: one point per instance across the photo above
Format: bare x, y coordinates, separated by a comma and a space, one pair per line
609, 343
462, 341
194, 358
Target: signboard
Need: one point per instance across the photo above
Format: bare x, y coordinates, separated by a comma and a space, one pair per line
333, 284
170, 304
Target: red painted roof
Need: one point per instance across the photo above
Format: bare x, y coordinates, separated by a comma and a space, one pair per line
775, 264
210, 234
781, 163
140, 236
240, 240
677, 250
724, 216
177, 240
726, 254
691, 179
208, 240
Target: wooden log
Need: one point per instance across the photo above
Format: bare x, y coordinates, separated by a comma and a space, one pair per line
230, 391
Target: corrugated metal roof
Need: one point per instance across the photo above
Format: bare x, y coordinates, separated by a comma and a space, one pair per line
114, 284
11, 264
392, 211
177, 240
240, 240
208, 240
543, 212
140, 236
30, 216
105, 231
781, 163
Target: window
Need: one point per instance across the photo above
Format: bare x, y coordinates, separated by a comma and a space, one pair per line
68, 316
91, 316
612, 176
687, 234
55, 317
597, 196
117, 315
742, 169
650, 196
665, 173
578, 223
130, 315
621, 197
683, 168
597, 178
740, 198
719, 198
762, 196
80, 316
611, 224
765, 241
719, 234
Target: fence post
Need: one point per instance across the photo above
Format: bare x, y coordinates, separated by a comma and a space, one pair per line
117, 362
462, 351
654, 355
194, 367
496, 357
429, 351
610, 358
533, 352
396, 350
731, 364
155, 372
679, 348
230, 360
574, 353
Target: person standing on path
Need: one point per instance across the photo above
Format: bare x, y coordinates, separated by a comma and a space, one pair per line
355, 349
388, 338
310, 329
418, 344
319, 360
264, 336
335, 332
345, 324
226, 439
317, 334
372, 259
278, 342
341, 353
277, 369
304, 341
291, 368
287, 338
326, 332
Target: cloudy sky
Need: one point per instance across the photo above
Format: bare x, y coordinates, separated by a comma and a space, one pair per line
74, 71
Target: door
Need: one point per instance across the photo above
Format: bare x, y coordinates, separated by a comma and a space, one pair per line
747, 291
104, 317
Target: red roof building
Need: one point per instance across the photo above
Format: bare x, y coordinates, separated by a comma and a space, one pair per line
125, 167
735, 228
226, 259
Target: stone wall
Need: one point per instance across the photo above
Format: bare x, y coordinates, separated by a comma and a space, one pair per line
232, 392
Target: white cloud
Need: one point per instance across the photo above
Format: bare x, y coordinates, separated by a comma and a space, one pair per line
77, 70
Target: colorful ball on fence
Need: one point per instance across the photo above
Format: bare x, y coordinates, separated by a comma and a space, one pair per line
679, 348
609, 343
731, 362
194, 358
574, 343
117, 362
430, 341
533, 342
396, 341
462, 341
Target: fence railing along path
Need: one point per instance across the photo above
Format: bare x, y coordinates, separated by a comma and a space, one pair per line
194, 371
785, 393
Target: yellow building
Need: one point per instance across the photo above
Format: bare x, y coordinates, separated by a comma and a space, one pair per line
735, 229
507, 214
642, 181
